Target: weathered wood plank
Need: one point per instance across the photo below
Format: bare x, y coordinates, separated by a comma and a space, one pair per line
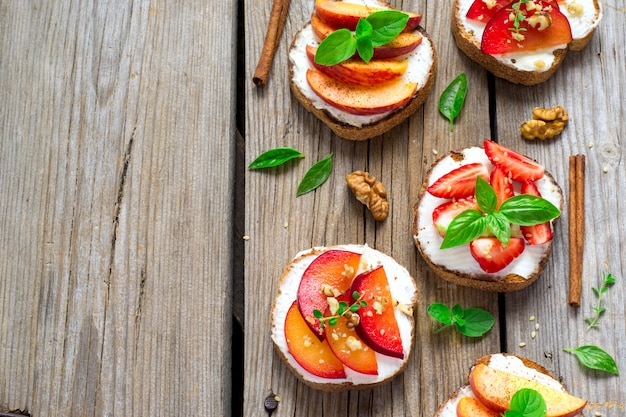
116, 178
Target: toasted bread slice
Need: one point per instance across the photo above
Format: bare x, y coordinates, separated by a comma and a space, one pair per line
404, 294
422, 70
456, 264
528, 69
504, 362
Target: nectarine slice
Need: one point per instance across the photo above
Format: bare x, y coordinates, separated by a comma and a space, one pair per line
378, 326
361, 100
339, 14
495, 388
357, 72
471, 407
333, 269
312, 354
348, 346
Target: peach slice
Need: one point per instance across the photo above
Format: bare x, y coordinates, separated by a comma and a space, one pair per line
495, 388
348, 346
355, 71
312, 354
339, 14
471, 407
402, 44
334, 270
378, 326
361, 100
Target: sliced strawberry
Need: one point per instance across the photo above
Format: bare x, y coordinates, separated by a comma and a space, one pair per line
499, 38
514, 165
502, 184
446, 212
539, 233
484, 10
460, 182
492, 255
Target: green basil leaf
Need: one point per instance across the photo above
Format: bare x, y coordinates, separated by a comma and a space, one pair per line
364, 29
594, 358
386, 25
336, 47
365, 49
513, 413
477, 322
440, 312
464, 228
500, 226
457, 314
485, 195
452, 98
528, 210
316, 175
274, 157
529, 403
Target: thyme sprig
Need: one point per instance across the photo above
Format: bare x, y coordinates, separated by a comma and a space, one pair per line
519, 17
343, 308
607, 282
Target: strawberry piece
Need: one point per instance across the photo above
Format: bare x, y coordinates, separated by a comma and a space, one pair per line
446, 212
460, 182
492, 255
539, 233
502, 184
481, 12
514, 165
499, 38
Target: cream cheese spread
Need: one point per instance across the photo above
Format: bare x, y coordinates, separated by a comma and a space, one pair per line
459, 258
402, 289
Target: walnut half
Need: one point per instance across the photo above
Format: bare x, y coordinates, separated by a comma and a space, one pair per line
545, 124
370, 192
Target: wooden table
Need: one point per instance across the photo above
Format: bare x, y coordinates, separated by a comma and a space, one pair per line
124, 202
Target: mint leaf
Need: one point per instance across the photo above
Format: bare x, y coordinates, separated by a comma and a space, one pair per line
336, 47
593, 357
607, 282
477, 322
528, 210
386, 25
473, 322
274, 157
464, 228
316, 175
452, 98
527, 402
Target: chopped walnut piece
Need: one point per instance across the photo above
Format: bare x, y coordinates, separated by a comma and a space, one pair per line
545, 124
370, 192
540, 20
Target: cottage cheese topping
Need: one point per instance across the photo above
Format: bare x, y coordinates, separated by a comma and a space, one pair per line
582, 18
402, 289
460, 258
421, 60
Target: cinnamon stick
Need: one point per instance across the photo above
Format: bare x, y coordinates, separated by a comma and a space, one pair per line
576, 228
278, 15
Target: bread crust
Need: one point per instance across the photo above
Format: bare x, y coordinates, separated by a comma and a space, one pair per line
331, 386
508, 283
356, 133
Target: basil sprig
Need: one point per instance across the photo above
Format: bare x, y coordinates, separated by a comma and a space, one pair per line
471, 322
379, 28
593, 357
452, 98
275, 157
527, 402
316, 175
522, 209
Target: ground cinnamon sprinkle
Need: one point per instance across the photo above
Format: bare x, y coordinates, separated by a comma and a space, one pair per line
278, 15
576, 226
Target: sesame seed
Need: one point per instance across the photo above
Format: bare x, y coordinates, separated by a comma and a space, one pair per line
590, 145
522, 344
533, 334
531, 318
536, 326
286, 225
246, 237
605, 169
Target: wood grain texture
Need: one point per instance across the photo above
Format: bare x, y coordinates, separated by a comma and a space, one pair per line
116, 167
279, 224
